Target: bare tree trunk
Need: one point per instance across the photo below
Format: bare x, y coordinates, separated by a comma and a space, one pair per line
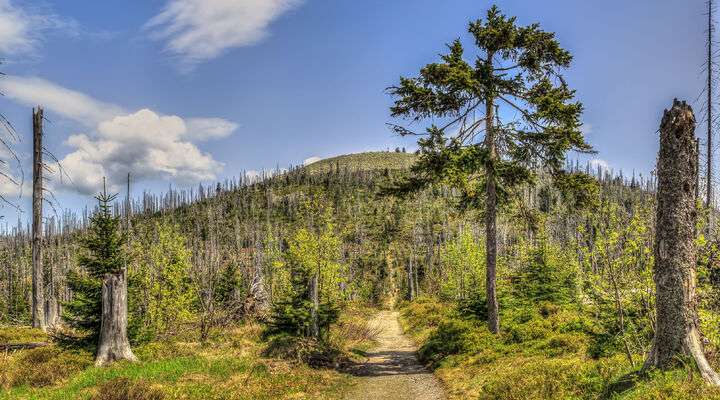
258, 300
708, 194
114, 344
491, 218
676, 334
38, 287
411, 282
315, 298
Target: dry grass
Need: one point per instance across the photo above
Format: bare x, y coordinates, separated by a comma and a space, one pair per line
227, 367
122, 388
41, 367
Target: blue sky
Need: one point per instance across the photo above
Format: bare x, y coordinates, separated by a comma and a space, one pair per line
181, 91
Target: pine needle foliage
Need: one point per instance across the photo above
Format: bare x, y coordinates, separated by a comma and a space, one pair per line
513, 87
500, 116
103, 253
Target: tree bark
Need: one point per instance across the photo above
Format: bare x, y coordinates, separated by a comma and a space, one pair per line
114, 344
315, 298
38, 286
708, 193
258, 301
676, 333
493, 313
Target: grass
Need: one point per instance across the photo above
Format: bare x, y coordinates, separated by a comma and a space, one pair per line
230, 367
540, 356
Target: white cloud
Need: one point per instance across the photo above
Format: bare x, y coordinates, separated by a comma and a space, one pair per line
200, 30
77, 106
145, 143
311, 160
202, 129
597, 163
22, 30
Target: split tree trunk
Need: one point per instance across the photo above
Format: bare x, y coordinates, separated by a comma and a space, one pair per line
38, 287
676, 334
114, 344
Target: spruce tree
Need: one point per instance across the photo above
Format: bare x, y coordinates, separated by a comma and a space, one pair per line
496, 121
103, 252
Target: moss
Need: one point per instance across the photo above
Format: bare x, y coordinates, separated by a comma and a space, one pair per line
19, 334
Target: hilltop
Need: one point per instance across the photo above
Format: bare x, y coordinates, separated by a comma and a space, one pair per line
367, 161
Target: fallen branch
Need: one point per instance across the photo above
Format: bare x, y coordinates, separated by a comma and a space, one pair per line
22, 346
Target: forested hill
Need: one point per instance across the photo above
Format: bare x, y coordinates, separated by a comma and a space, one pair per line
240, 229
244, 250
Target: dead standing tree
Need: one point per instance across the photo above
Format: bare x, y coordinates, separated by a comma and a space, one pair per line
38, 288
677, 335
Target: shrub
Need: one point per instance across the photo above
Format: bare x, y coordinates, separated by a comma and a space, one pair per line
305, 350
454, 337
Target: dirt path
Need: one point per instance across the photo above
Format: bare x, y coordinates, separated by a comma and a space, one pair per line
392, 371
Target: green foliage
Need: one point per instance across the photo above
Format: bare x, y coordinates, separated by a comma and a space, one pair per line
541, 354
162, 297
517, 68
181, 370
616, 249
546, 273
229, 284
463, 262
104, 253
312, 253
292, 316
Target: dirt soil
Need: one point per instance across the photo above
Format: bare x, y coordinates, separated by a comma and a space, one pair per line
392, 370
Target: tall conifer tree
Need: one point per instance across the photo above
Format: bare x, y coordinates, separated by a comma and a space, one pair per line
503, 116
103, 253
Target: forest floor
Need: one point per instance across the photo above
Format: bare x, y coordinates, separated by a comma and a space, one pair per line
392, 370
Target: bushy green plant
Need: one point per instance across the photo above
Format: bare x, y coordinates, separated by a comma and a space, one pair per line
161, 297
546, 274
103, 252
311, 256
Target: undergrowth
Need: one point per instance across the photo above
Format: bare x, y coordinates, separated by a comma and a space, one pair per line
228, 366
544, 351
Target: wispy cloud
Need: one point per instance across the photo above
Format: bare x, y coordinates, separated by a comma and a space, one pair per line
22, 30
146, 143
66, 102
200, 30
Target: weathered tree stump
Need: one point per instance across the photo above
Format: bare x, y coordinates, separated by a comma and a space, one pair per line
114, 344
676, 334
